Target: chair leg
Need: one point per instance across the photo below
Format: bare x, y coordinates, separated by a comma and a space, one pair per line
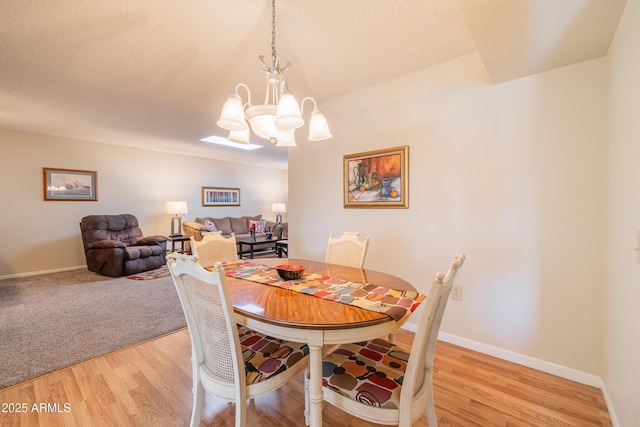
431, 410
241, 413
306, 396
198, 404
392, 337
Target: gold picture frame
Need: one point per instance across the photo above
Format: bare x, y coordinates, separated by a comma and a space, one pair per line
70, 185
377, 179
220, 196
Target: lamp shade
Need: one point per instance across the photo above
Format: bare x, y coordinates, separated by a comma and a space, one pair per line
279, 207
288, 116
287, 139
175, 208
232, 116
318, 126
240, 136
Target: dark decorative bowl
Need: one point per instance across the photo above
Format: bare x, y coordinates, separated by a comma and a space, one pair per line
290, 271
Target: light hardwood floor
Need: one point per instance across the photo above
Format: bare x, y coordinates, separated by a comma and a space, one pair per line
149, 384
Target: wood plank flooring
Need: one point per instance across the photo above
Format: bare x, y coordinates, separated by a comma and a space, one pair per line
149, 384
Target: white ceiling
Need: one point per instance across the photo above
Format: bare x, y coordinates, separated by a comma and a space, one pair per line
155, 73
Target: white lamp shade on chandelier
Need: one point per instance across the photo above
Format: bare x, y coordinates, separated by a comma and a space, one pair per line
232, 117
241, 136
288, 114
318, 126
277, 119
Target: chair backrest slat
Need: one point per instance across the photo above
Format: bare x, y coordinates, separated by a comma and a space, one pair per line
347, 250
214, 247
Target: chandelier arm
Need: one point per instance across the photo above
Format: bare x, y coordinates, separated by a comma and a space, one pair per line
286, 67
270, 90
315, 106
239, 85
265, 67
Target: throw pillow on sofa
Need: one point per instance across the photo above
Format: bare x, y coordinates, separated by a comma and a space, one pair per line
222, 224
248, 219
210, 226
259, 225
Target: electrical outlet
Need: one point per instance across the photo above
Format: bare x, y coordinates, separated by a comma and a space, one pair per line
456, 293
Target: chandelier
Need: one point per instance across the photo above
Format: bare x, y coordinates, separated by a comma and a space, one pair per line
277, 119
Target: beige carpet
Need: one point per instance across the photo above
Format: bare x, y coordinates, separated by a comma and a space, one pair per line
51, 321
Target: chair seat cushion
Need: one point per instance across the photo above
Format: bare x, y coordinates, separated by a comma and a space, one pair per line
135, 252
266, 356
369, 372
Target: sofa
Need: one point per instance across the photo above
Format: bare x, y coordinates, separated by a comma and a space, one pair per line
115, 246
227, 225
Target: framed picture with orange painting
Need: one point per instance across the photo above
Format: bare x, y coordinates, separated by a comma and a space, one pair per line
377, 179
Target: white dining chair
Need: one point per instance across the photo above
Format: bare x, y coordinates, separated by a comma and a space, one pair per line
214, 247
347, 249
382, 383
229, 361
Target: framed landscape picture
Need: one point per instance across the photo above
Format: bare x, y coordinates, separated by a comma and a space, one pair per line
377, 179
70, 185
220, 196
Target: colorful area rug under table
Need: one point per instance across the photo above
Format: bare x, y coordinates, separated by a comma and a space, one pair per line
396, 304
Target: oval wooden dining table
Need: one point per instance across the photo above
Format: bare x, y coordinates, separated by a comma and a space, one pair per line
298, 317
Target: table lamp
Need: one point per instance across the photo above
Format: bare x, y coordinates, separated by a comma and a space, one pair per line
176, 208
279, 209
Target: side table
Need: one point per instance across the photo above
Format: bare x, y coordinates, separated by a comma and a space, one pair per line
179, 239
282, 248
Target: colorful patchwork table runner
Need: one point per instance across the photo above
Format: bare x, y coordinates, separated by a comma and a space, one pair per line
394, 303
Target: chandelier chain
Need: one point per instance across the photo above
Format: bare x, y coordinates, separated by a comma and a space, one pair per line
273, 32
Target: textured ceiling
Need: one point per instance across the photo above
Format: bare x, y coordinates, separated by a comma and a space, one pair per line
155, 73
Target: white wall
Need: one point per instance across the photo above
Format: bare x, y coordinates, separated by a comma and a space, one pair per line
621, 348
512, 175
41, 236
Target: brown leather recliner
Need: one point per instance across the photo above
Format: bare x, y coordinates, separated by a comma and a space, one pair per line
114, 246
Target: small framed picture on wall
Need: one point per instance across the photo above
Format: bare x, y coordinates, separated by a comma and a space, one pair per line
70, 185
220, 196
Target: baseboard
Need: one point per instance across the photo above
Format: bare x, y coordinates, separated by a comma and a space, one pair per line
612, 413
521, 359
36, 273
